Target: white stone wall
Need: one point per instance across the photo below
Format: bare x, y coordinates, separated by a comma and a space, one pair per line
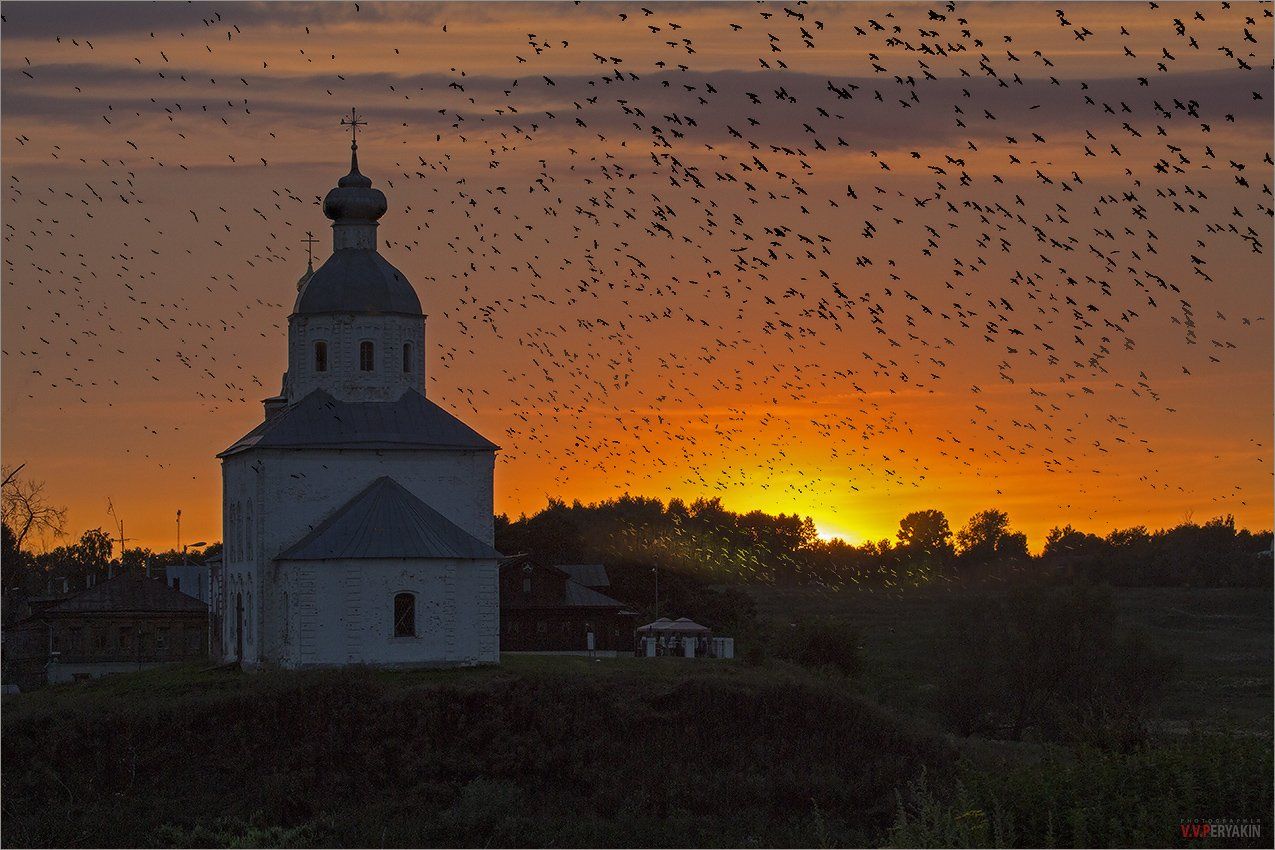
190, 579
303, 487
293, 491
343, 378
342, 612
244, 514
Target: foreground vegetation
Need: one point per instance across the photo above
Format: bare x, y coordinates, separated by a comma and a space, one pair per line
578, 752
540, 752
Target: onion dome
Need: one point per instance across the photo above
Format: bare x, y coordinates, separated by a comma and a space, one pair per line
356, 278
354, 206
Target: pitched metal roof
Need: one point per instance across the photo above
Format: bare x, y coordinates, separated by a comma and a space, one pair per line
590, 575
320, 421
128, 593
357, 280
579, 596
575, 595
387, 521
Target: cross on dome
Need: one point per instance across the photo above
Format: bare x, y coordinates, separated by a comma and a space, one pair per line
309, 241
354, 124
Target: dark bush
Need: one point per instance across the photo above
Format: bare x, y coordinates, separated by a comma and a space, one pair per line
1051, 663
822, 644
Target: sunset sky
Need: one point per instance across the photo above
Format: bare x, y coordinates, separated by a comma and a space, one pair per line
844, 260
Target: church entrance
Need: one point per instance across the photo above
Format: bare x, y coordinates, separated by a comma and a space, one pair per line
239, 627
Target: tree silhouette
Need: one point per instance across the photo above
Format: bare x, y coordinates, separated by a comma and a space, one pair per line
926, 535
979, 538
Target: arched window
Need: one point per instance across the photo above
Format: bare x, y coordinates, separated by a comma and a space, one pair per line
366, 359
248, 533
407, 357
320, 356
404, 615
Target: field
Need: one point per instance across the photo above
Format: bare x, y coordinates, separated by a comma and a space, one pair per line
1223, 638
569, 751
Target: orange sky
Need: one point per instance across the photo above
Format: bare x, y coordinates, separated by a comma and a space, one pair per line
616, 327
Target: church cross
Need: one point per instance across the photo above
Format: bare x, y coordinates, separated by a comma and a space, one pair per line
309, 241
354, 123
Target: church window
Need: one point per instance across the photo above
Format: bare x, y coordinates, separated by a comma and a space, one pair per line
404, 615
366, 358
248, 532
526, 585
320, 356
407, 357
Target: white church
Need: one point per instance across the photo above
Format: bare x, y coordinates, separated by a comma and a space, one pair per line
358, 514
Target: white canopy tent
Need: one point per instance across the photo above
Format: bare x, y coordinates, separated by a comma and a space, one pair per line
683, 637
680, 626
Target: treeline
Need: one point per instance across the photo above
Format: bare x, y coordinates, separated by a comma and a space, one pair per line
702, 542
705, 541
75, 566
30, 515
1215, 554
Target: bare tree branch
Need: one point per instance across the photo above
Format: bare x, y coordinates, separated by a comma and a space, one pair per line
25, 508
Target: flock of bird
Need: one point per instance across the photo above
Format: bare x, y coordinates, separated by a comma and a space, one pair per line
908, 241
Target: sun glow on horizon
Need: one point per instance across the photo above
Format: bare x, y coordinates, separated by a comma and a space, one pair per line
830, 531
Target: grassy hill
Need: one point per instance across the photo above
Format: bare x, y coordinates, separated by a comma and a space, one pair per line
542, 751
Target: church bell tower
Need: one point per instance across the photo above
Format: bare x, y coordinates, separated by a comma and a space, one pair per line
356, 330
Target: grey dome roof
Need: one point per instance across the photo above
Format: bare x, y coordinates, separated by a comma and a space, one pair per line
357, 280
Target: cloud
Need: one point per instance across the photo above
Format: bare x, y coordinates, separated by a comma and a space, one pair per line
770, 109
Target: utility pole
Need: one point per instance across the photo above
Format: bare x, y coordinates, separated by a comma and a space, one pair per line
119, 523
179, 528
657, 591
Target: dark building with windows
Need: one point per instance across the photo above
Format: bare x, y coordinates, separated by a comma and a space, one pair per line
560, 608
125, 624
